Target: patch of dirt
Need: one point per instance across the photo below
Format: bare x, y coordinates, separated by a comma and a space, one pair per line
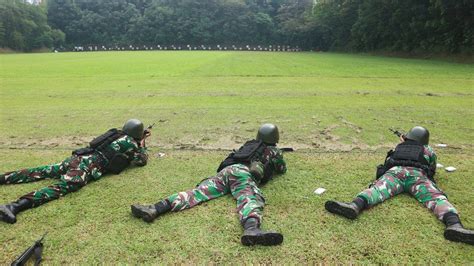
355, 127
327, 140
431, 94
324, 140
67, 141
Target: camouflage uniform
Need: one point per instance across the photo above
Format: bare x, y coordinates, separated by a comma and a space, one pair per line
237, 180
74, 172
400, 179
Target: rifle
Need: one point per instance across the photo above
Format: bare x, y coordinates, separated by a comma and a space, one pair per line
149, 128
36, 249
287, 149
396, 132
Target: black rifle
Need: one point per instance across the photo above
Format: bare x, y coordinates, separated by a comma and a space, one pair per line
396, 132
36, 249
287, 149
150, 127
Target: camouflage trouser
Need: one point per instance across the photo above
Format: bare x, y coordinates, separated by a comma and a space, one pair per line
73, 173
234, 179
408, 179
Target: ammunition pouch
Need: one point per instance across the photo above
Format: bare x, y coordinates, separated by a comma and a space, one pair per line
380, 171
83, 151
117, 164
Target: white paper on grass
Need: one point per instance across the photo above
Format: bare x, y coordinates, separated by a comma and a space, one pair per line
442, 145
319, 191
450, 169
438, 165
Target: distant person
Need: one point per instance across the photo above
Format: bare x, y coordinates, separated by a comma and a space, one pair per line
239, 174
111, 152
410, 168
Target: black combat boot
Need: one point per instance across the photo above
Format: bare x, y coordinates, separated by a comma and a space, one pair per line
254, 236
348, 210
3, 179
455, 231
149, 212
8, 212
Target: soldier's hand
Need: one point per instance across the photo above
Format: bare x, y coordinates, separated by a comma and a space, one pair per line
402, 138
146, 133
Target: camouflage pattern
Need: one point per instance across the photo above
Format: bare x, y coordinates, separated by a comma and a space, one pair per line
74, 172
236, 180
400, 179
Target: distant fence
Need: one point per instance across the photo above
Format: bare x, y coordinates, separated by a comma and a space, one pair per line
268, 48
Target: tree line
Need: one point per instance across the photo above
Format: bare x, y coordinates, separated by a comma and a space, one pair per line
343, 25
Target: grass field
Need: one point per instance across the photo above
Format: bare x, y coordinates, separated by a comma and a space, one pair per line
334, 108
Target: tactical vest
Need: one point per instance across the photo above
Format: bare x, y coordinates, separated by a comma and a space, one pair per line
251, 151
115, 161
409, 153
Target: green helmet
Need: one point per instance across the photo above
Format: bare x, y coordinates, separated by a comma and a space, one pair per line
419, 134
268, 133
133, 128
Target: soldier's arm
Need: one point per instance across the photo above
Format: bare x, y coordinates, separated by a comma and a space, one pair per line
279, 163
134, 150
433, 163
140, 157
431, 157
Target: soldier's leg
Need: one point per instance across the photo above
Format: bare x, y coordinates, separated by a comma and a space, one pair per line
35, 174
250, 204
208, 189
387, 186
250, 200
78, 173
426, 192
79, 170
9, 211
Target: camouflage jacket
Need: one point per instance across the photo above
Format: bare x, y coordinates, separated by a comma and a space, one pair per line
131, 147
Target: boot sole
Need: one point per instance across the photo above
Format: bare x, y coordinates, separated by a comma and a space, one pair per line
335, 208
457, 236
268, 239
140, 214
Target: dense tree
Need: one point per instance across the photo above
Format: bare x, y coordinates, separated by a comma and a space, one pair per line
348, 25
24, 27
395, 25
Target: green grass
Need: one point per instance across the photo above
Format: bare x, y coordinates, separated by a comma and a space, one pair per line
335, 108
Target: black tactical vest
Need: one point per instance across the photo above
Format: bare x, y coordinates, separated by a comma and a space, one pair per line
250, 152
115, 161
409, 153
